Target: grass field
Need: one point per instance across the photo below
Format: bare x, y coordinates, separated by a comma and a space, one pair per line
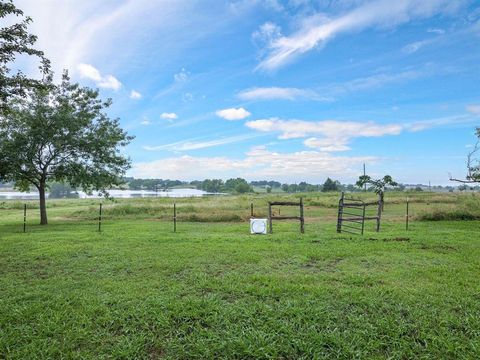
211, 290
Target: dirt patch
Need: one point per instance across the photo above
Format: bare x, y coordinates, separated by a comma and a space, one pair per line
321, 265
442, 248
399, 239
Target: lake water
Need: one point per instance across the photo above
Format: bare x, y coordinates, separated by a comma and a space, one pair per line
123, 194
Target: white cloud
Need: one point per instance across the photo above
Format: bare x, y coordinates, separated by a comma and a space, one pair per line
280, 93
169, 116
330, 129
103, 81
318, 29
233, 114
187, 145
474, 109
258, 163
146, 122
135, 95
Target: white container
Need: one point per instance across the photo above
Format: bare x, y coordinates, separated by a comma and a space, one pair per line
258, 226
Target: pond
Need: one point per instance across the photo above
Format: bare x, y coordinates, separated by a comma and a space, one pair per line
123, 194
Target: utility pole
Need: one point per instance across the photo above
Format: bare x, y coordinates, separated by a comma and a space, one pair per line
429, 186
364, 174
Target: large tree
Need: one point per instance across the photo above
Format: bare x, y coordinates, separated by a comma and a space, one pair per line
60, 132
15, 40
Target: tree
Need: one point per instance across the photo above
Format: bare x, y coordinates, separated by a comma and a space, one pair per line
330, 185
15, 40
61, 133
212, 185
473, 164
238, 185
379, 186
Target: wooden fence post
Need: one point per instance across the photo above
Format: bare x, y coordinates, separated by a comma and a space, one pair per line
340, 212
379, 212
270, 217
302, 220
251, 210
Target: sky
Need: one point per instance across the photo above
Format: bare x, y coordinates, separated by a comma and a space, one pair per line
288, 90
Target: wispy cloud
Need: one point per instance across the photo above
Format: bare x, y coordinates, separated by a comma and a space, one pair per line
473, 109
102, 81
436, 31
415, 46
187, 145
280, 93
233, 114
442, 121
318, 30
135, 95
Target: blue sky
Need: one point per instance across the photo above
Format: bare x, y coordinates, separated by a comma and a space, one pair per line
286, 90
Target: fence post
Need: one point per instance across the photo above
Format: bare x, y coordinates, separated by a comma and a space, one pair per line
340, 213
24, 217
174, 217
270, 217
406, 217
363, 218
302, 220
100, 218
251, 209
379, 212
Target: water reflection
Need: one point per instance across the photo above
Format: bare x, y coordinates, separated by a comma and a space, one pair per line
124, 194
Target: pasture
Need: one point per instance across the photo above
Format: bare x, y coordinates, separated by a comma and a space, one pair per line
212, 290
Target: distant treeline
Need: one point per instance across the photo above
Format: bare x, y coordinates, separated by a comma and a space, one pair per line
241, 186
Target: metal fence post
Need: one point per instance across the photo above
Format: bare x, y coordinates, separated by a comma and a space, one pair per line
24, 217
100, 218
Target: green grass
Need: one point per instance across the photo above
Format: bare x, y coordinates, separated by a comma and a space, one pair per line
211, 290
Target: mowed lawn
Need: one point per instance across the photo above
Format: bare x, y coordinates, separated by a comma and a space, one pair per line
211, 290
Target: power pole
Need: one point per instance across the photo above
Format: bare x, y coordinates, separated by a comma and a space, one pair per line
364, 174
429, 186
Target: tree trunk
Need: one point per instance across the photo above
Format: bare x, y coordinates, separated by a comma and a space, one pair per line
43, 206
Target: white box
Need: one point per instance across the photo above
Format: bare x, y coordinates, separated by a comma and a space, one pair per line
258, 226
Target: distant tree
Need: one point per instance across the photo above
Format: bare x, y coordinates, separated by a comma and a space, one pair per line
212, 185
418, 188
268, 189
292, 188
15, 40
285, 187
61, 133
238, 185
330, 185
60, 190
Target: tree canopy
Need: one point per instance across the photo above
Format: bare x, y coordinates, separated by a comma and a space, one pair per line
60, 132
330, 185
15, 40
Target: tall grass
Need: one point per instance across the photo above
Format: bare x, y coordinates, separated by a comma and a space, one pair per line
465, 208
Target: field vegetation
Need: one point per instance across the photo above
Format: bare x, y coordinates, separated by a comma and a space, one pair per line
211, 290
